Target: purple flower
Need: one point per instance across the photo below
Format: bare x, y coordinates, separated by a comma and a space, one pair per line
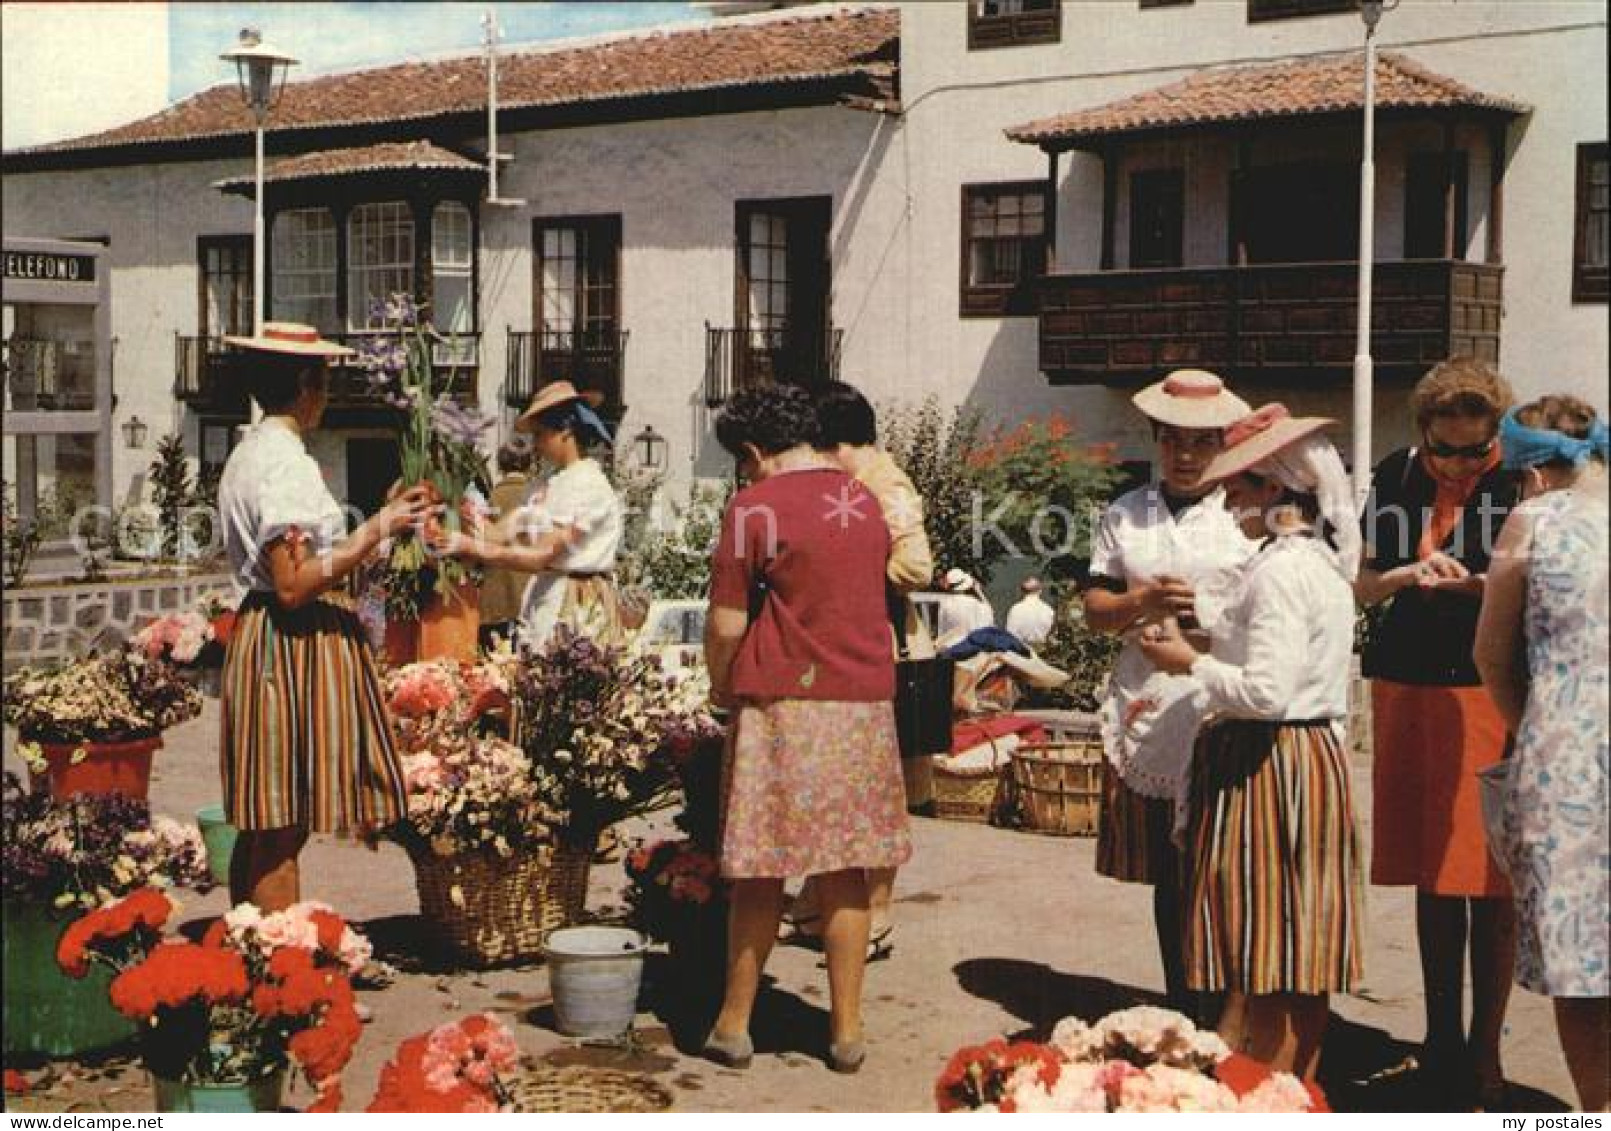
458, 424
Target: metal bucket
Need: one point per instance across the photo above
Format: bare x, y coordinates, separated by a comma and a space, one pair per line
219, 836
595, 973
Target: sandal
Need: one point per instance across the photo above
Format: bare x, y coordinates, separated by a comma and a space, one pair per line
806, 932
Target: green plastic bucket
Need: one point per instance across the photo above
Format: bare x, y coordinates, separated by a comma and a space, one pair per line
46, 1011
219, 837
219, 1099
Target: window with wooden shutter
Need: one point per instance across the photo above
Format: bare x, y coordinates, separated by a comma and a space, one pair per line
1589, 255
1013, 23
1003, 247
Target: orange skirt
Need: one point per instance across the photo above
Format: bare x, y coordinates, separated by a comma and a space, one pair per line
1426, 811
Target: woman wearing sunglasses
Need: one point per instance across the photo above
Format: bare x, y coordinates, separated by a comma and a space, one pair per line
1432, 520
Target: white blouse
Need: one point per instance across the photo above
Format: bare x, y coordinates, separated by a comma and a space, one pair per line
579, 496
1283, 648
271, 485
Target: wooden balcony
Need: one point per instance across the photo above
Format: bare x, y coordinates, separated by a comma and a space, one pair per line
1279, 321
592, 362
740, 359
206, 376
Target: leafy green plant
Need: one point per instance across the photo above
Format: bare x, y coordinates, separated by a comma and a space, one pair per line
1086, 656
172, 488
21, 537
671, 557
935, 451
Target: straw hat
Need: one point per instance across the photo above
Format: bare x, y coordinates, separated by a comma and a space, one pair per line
1257, 437
289, 337
1191, 398
552, 396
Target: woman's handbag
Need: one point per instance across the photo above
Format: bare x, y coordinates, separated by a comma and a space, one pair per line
922, 694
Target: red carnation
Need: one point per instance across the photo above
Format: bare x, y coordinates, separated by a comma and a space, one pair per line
143, 911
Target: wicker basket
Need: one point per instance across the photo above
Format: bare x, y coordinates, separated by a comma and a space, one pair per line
1059, 785
588, 1090
966, 795
493, 910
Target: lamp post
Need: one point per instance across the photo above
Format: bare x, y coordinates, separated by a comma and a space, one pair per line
1364, 368
650, 449
134, 432
261, 71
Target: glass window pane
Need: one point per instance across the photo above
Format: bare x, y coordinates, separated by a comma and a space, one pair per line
49, 356
52, 475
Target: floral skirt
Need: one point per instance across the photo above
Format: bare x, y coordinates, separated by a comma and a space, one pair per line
1274, 891
810, 787
306, 737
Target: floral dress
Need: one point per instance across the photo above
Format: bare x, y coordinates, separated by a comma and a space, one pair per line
1554, 840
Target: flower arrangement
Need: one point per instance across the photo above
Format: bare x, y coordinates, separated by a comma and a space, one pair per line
597, 724
257, 993
439, 445
436, 701
177, 637
459, 1067
90, 849
1137, 1060
114, 696
672, 883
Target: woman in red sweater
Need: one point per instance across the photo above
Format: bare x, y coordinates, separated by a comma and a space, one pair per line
798, 643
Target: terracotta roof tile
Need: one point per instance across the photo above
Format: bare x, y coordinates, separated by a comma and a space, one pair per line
1330, 84
361, 159
849, 43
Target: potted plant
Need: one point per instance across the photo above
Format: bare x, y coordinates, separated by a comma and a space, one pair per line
433, 603
461, 1067
1144, 1059
221, 1021
60, 859
93, 724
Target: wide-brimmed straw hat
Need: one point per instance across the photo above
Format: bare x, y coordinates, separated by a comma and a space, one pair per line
289, 337
552, 396
1257, 437
1191, 398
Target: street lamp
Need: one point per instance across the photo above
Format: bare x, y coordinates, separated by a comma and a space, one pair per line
649, 448
1364, 369
261, 72
134, 433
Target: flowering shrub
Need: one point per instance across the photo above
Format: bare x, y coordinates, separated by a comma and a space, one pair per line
458, 1067
257, 993
111, 697
89, 849
597, 724
672, 884
178, 637
1137, 1060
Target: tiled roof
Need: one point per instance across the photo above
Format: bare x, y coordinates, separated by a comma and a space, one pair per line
1331, 84
853, 44
362, 159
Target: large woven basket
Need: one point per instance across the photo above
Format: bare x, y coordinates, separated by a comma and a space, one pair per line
965, 795
492, 910
1059, 785
588, 1090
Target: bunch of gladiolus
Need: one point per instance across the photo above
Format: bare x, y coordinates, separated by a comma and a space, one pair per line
256, 994
458, 1067
1137, 1060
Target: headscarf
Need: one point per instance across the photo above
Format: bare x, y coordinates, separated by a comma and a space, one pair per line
1526, 447
576, 415
1312, 466
1450, 501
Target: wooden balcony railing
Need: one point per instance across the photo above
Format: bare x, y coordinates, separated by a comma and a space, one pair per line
204, 375
1293, 320
740, 359
593, 362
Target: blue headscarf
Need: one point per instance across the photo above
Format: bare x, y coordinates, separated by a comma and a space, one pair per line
576, 416
1526, 447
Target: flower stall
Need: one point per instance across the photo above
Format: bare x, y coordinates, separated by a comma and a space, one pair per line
60, 859
432, 603
93, 725
222, 1021
1144, 1059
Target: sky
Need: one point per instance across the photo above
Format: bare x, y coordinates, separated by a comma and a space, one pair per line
338, 36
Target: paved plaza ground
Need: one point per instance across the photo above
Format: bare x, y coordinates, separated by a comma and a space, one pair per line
999, 932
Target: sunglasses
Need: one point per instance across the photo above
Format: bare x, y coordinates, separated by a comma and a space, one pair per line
1460, 451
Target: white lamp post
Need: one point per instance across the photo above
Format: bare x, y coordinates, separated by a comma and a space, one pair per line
261, 71
1364, 369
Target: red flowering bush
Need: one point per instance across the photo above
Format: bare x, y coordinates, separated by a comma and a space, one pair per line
232, 1008
456, 1068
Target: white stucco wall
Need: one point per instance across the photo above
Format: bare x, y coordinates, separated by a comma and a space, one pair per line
1550, 55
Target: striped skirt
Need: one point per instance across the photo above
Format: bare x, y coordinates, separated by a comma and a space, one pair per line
306, 737
1274, 893
1133, 842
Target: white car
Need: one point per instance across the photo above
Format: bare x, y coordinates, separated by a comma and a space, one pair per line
675, 631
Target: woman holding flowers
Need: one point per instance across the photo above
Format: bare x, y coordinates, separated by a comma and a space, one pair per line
1273, 901
569, 531
306, 744
799, 647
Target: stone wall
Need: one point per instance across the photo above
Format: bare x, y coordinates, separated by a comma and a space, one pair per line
55, 622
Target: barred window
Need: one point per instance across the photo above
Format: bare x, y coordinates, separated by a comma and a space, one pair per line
304, 255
